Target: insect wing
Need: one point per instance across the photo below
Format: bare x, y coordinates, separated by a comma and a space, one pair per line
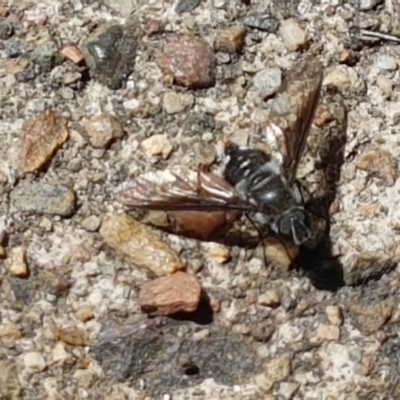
292, 113
169, 191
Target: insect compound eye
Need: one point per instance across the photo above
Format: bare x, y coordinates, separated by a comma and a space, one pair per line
295, 225
299, 227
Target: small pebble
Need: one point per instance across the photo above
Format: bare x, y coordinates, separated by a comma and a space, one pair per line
231, 39
326, 333
189, 61
6, 29
102, 129
168, 295
288, 389
43, 134
267, 81
387, 63
44, 198
18, 265
73, 54
262, 22
365, 5
186, 6
293, 36
140, 244
85, 313
175, 103
270, 298
334, 314
33, 362
59, 354
91, 223
157, 145
276, 370
10, 331
385, 84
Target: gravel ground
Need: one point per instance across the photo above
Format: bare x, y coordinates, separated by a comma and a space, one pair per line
92, 94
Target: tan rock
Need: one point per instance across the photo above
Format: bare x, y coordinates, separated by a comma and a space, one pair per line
293, 36
140, 244
270, 298
73, 54
18, 265
169, 295
275, 370
10, 331
102, 129
59, 354
43, 134
85, 313
70, 335
334, 314
33, 362
231, 39
175, 103
326, 333
157, 145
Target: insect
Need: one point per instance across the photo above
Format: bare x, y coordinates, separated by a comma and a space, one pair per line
260, 181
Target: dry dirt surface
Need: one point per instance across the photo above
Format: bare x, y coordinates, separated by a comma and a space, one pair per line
99, 301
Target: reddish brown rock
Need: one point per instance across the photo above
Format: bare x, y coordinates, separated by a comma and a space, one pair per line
169, 295
201, 225
190, 62
231, 39
43, 135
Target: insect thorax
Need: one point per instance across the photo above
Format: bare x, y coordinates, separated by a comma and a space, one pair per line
258, 178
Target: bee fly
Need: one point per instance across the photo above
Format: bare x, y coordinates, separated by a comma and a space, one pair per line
258, 181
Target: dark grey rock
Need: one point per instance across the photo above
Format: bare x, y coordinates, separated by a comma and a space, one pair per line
6, 29
262, 22
186, 6
110, 54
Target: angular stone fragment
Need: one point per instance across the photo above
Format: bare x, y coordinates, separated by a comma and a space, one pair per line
277, 251
110, 53
73, 54
231, 39
18, 265
174, 103
43, 135
10, 331
186, 6
157, 145
276, 370
33, 362
140, 244
179, 292
293, 36
44, 198
70, 335
189, 61
102, 129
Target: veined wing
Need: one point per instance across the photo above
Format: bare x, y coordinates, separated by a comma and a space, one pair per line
291, 114
182, 190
